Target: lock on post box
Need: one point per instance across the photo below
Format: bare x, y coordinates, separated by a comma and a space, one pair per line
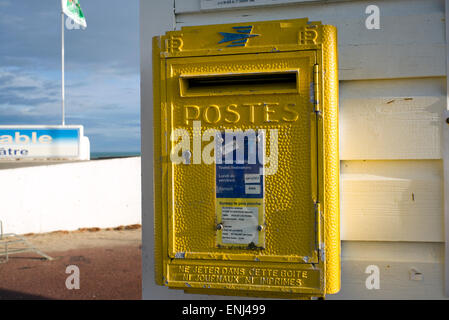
246, 159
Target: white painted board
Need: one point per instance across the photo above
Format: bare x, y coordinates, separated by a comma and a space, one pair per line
226, 4
446, 193
407, 270
391, 119
409, 43
392, 201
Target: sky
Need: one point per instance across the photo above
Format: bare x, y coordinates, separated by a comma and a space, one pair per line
101, 70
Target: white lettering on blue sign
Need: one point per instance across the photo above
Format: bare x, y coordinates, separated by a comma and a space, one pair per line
24, 139
28, 142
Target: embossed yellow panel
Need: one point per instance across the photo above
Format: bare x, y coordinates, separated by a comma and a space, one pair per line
267, 223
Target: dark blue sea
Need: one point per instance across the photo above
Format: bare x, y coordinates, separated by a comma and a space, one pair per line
109, 155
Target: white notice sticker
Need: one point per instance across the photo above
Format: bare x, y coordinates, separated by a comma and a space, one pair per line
252, 178
240, 225
252, 188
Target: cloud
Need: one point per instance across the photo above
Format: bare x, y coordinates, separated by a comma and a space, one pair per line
102, 70
107, 107
32, 30
21, 92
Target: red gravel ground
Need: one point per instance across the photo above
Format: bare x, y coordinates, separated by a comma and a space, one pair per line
105, 273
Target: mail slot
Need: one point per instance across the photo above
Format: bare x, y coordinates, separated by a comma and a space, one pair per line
246, 159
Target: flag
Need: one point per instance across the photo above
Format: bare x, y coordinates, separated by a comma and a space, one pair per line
72, 9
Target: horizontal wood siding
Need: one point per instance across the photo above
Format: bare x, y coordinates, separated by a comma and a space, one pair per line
392, 102
397, 262
392, 119
410, 43
392, 200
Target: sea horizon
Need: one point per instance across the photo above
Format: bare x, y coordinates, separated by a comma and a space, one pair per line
114, 154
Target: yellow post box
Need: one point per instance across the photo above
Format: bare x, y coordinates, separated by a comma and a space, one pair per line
246, 159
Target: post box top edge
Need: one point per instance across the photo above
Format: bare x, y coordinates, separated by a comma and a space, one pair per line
243, 37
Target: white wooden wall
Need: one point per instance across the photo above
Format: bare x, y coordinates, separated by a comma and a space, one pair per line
392, 104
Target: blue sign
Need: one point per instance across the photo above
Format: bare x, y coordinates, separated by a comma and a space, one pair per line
239, 191
28, 142
239, 180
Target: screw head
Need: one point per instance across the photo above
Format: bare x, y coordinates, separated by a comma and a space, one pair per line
220, 226
187, 155
259, 228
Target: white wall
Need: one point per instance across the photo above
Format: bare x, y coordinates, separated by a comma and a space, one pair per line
68, 196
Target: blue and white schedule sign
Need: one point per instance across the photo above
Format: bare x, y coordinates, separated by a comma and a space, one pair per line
240, 197
40, 142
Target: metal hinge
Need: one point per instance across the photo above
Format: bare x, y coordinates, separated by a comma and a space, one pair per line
322, 255
316, 96
318, 213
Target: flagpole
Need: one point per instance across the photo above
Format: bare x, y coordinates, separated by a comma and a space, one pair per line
62, 67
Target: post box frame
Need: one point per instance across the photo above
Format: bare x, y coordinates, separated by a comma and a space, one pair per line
312, 36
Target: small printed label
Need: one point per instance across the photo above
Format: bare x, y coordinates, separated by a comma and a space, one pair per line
240, 224
252, 189
252, 178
